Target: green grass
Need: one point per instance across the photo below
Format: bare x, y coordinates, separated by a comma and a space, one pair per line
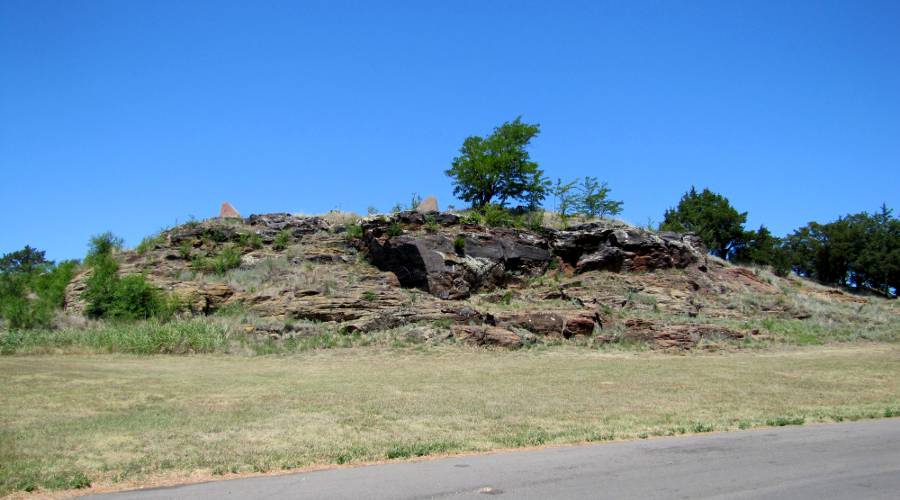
146, 337
124, 420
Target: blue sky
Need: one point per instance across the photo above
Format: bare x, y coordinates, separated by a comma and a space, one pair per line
130, 116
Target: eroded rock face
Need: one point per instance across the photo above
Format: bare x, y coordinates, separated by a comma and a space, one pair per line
453, 265
564, 324
492, 335
269, 225
617, 247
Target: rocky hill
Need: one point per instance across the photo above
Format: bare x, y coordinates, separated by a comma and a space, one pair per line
604, 281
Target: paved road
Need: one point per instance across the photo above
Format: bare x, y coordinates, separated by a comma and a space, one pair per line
848, 461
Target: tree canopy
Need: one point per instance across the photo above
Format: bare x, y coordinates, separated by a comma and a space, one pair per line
859, 250
31, 287
711, 217
498, 168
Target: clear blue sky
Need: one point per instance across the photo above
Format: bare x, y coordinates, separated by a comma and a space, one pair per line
130, 115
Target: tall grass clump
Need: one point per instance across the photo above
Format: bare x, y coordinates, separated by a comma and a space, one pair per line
150, 242
197, 335
229, 258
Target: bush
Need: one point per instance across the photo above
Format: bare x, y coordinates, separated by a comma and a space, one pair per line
395, 229
354, 232
282, 240
431, 226
250, 240
472, 218
149, 243
229, 258
123, 298
497, 216
459, 244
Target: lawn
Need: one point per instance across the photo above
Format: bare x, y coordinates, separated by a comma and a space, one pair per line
121, 420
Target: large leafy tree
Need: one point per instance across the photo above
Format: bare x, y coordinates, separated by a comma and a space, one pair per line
711, 217
498, 168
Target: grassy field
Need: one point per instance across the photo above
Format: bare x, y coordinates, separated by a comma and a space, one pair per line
120, 420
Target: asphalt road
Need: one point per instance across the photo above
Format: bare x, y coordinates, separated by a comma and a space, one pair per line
848, 461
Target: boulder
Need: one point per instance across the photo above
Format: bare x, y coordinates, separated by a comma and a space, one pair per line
228, 212
428, 205
433, 262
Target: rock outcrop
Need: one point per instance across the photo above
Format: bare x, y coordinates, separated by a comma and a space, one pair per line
617, 247
508, 287
453, 264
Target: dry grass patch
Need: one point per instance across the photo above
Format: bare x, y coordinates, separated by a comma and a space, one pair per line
116, 418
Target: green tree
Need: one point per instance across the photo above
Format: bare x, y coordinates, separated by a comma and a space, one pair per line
763, 248
498, 168
593, 199
31, 287
857, 250
566, 198
109, 296
711, 217
24, 261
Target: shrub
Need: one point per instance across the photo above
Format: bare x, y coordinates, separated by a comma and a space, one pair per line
395, 229
228, 258
126, 298
184, 250
459, 244
149, 243
250, 240
532, 220
497, 216
354, 232
369, 296
472, 218
431, 225
282, 240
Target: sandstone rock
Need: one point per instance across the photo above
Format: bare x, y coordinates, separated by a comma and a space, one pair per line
553, 323
677, 336
228, 212
491, 335
428, 205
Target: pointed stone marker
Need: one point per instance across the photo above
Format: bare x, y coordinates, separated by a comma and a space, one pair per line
428, 205
228, 212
